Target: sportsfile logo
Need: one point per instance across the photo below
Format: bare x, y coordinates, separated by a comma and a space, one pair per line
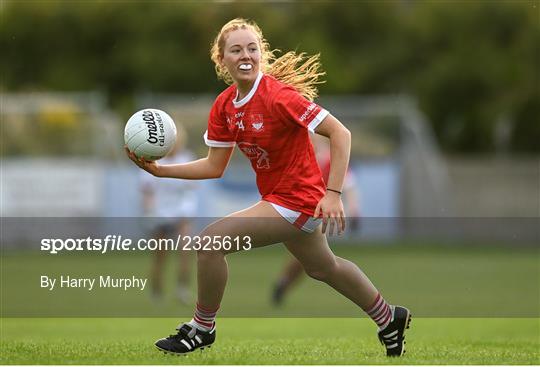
310, 108
150, 121
115, 242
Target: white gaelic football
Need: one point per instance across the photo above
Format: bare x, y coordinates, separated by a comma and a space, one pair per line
150, 134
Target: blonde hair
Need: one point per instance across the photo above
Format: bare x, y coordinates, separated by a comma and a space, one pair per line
300, 71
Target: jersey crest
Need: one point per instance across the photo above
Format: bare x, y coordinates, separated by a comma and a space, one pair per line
257, 122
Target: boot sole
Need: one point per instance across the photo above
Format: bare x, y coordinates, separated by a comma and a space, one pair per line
165, 351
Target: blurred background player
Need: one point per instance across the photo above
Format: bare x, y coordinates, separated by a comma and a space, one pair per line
172, 204
293, 270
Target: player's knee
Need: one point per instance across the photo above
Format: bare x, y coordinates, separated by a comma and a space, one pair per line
209, 249
323, 273
209, 255
316, 274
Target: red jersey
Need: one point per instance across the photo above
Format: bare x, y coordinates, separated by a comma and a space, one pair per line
271, 127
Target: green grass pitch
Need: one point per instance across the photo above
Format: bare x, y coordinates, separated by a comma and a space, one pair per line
270, 341
470, 305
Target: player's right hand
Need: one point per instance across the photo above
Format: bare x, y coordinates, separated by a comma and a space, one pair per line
330, 208
151, 167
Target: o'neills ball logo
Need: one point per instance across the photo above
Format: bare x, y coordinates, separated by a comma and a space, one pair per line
154, 124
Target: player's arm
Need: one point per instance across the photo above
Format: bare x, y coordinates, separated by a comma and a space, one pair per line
331, 206
340, 149
212, 166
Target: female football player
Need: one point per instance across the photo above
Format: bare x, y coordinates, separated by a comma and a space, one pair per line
268, 112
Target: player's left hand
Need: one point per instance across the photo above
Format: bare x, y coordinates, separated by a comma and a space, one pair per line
331, 209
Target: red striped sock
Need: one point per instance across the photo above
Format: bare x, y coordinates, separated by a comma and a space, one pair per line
204, 317
380, 312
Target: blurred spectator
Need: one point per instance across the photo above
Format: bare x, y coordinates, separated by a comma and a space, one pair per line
172, 204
